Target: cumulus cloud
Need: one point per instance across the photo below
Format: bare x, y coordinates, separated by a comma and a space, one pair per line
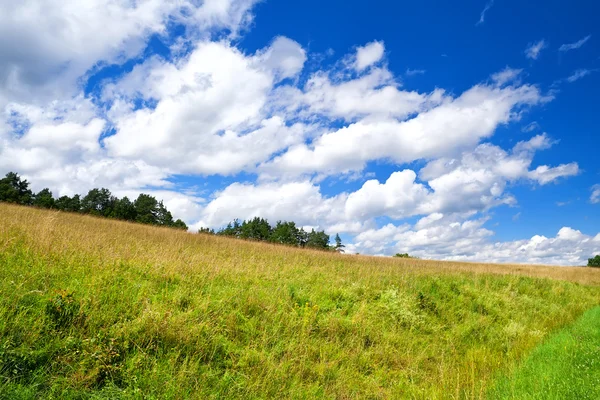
207, 119
440, 130
574, 46
369, 55
49, 44
533, 50
448, 237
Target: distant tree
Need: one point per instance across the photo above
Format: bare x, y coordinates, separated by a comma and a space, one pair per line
124, 209
285, 233
402, 255
339, 247
179, 224
255, 229
206, 231
318, 240
66, 203
594, 262
163, 216
98, 202
146, 208
44, 199
302, 237
232, 229
13, 189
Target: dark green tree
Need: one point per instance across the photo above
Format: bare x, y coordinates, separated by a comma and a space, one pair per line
146, 208
402, 255
124, 209
163, 216
66, 203
594, 262
98, 202
179, 224
44, 199
285, 233
13, 189
232, 229
255, 229
318, 240
339, 247
206, 231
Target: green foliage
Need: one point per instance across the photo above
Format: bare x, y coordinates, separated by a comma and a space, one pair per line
98, 202
124, 209
339, 247
285, 233
594, 262
63, 309
255, 229
402, 255
44, 199
206, 231
13, 189
70, 204
179, 224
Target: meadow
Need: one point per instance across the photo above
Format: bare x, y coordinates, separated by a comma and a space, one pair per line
97, 308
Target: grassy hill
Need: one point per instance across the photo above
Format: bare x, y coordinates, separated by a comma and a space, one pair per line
95, 308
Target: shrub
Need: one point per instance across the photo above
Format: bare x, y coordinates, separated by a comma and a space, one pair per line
402, 255
594, 262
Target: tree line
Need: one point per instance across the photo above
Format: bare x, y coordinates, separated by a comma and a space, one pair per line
98, 202
284, 232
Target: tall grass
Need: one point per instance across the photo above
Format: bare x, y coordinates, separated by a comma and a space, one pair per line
92, 307
567, 366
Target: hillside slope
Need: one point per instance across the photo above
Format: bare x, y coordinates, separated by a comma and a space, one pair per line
92, 307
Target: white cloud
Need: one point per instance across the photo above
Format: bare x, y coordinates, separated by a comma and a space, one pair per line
368, 55
574, 46
486, 9
507, 75
48, 45
449, 238
533, 126
454, 124
580, 73
374, 94
544, 174
285, 58
533, 50
595, 197
300, 202
208, 117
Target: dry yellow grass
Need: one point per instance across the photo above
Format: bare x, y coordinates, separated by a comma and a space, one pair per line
182, 251
169, 314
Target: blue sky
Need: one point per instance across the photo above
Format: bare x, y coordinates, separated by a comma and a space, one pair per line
462, 133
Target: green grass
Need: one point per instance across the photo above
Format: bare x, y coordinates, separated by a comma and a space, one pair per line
566, 366
94, 308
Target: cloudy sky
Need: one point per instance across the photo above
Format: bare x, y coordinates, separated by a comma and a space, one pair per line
461, 133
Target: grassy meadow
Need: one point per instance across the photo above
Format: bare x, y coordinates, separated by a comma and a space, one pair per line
96, 308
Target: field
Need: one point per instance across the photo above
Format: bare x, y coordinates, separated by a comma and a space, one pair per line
95, 308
